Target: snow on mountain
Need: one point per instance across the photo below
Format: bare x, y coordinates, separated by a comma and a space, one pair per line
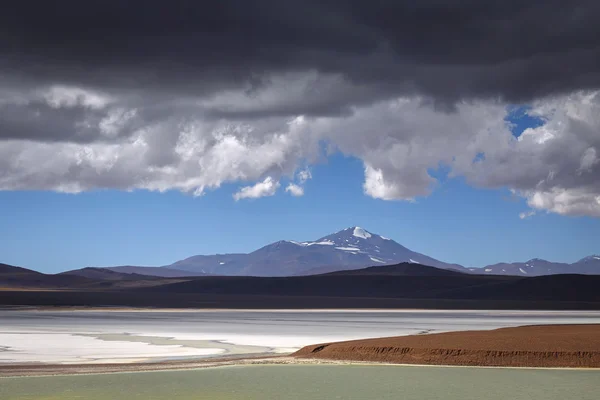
323, 243
589, 259
536, 267
360, 233
588, 265
351, 248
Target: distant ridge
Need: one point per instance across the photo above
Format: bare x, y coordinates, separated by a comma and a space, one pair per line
349, 249
13, 270
162, 272
537, 267
398, 281
405, 285
17, 277
106, 274
403, 269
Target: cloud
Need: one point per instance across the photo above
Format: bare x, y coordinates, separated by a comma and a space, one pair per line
180, 152
295, 190
588, 160
576, 202
401, 140
447, 50
158, 101
304, 175
552, 166
527, 214
378, 187
268, 187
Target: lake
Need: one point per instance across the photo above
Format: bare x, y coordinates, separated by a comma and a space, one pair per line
35, 336
308, 382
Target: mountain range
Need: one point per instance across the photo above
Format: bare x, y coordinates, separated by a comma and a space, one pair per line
537, 267
405, 285
352, 268
351, 248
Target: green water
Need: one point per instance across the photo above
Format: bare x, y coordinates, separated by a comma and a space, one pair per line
307, 382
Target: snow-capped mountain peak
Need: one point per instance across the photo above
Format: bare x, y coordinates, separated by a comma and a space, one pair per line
360, 233
592, 258
353, 232
351, 248
356, 245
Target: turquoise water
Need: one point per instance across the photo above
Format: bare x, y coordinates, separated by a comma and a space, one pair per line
307, 382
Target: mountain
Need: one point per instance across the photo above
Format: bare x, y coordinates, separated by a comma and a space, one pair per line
18, 277
348, 249
351, 248
537, 267
405, 285
403, 269
221, 264
105, 274
12, 271
14, 278
163, 272
406, 280
588, 265
534, 267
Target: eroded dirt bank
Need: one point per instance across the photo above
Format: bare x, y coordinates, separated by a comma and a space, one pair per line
573, 346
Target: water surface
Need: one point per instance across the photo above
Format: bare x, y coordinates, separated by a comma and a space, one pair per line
308, 382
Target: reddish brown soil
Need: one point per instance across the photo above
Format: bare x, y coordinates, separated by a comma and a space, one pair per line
574, 346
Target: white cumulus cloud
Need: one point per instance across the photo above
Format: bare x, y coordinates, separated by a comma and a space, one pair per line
268, 187
73, 139
295, 190
377, 187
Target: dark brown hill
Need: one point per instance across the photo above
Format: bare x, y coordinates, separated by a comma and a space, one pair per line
540, 288
162, 272
394, 286
23, 278
106, 274
405, 281
6, 269
402, 269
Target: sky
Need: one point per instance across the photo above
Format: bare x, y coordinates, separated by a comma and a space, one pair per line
465, 130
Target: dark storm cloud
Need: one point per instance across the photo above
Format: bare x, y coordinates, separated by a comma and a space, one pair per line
514, 50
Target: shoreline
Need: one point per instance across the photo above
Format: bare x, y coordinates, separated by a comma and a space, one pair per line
95, 309
572, 347
27, 370
50, 370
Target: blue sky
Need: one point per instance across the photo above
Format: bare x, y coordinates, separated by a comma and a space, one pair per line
52, 232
